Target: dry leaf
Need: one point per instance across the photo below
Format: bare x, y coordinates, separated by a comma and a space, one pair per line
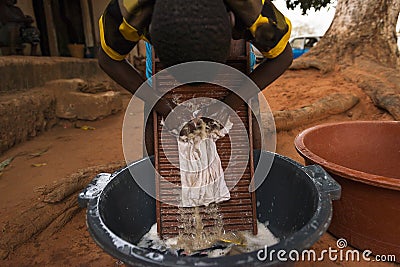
39, 164
86, 128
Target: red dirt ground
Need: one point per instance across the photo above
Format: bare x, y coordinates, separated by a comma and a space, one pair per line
71, 148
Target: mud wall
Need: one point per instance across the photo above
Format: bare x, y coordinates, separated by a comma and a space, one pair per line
21, 73
27, 106
25, 115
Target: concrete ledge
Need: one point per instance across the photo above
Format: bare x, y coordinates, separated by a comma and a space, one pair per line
22, 72
73, 104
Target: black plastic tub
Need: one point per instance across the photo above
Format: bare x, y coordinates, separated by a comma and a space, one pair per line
294, 200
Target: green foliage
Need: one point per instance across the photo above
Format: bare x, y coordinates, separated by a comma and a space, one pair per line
306, 5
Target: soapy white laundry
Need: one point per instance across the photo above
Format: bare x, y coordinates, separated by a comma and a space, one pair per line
202, 176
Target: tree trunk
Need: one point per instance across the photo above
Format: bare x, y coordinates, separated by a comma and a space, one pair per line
361, 28
362, 39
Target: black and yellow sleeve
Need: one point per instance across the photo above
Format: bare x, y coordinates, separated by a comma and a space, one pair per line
117, 37
266, 27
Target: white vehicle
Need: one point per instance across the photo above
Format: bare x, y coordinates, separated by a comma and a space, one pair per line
299, 44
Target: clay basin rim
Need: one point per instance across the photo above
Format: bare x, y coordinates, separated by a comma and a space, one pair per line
372, 145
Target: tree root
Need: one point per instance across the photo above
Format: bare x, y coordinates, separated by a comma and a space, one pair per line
326, 106
48, 215
381, 84
309, 62
58, 223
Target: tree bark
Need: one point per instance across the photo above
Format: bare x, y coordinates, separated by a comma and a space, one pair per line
361, 28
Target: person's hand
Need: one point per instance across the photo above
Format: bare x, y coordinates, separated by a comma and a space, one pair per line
218, 112
164, 107
177, 119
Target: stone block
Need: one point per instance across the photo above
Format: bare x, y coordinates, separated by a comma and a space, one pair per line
84, 106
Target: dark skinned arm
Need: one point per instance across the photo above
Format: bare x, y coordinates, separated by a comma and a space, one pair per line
129, 78
266, 73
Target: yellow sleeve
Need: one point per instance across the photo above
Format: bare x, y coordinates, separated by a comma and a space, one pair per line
263, 25
118, 36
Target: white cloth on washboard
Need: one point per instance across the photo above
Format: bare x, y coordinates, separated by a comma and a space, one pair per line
202, 176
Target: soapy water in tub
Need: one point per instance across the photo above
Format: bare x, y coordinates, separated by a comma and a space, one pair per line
207, 242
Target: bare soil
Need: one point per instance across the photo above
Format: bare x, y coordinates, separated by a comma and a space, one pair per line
71, 148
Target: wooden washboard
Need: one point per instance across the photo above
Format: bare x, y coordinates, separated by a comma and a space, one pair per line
239, 213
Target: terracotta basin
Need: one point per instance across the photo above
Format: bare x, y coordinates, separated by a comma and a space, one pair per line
364, 158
